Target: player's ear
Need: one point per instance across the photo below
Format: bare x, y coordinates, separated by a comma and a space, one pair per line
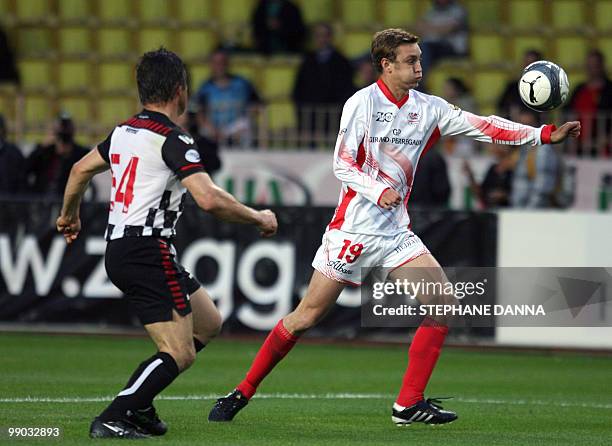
386, 64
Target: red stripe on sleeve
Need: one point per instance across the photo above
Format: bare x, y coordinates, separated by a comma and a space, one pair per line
191, 166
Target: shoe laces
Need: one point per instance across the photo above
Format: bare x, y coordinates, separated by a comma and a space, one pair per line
229, 401
436, 402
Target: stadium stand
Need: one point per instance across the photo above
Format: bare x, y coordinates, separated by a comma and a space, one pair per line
86, 50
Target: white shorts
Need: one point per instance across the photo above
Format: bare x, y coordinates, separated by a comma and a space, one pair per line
342, 255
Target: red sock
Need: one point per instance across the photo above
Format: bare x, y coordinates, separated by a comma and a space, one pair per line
275, 347
422, 356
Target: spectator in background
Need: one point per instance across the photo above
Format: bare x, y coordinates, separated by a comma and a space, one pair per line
509, 103
8, 67
538, 175
431, 187
278, 27
323, 83
365, 72
444, 32
195, 122
227, 97
496, 188
12, 165
457, 93
591, 98
48, 166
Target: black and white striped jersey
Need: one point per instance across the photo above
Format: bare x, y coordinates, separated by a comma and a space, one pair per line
149, 156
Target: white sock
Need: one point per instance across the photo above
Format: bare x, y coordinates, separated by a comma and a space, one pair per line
398, 407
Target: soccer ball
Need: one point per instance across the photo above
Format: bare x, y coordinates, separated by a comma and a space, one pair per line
543, 86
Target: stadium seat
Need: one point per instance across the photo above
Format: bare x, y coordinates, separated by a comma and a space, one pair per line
236, 11
398, 13
74, 76
483, 14
568, 14
112, 110
571, 51
487, 86
520, 44
74, 41
575, 78
78, 107
198, 73
33, 41
32, 10
278, 81
437, 78
247, 69
74, 11
38, 110
603, 15
281, 115
153, 38
355, 44
114, 11
116, 76
192, 11
358, 13
153, 11
114, 42
317, 10
6, 10
35, 74
487, 48
196, 43
526, 14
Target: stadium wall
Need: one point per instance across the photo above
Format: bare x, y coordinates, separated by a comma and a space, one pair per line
305, 178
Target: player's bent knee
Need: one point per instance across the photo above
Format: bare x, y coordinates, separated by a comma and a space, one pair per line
211, 330
184, 357
216, 324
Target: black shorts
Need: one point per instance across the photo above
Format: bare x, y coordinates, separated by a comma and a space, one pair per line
145, 269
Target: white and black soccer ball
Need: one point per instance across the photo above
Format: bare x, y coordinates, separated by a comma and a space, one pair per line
543, 86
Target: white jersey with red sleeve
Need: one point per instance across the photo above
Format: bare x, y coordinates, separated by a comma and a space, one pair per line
381, 141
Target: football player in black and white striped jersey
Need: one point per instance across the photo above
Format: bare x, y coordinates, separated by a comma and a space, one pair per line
153, 162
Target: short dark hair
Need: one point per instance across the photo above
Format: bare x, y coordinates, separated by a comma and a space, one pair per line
158, 74
385, 43
535, 53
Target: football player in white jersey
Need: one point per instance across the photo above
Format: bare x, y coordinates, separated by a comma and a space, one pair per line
153, 162
385, 128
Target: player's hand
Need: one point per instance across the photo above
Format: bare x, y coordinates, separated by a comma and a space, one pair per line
389, 199
69, 227
267, 223
571, 128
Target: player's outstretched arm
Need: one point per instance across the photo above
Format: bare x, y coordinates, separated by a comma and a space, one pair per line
224, 206
69, 222
454, 121
569, 129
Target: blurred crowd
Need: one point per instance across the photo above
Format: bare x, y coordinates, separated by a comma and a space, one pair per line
223, 109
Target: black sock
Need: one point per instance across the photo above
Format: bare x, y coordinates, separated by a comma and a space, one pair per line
150, 378
198, 344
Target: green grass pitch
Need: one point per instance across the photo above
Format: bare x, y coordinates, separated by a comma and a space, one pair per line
333, 394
